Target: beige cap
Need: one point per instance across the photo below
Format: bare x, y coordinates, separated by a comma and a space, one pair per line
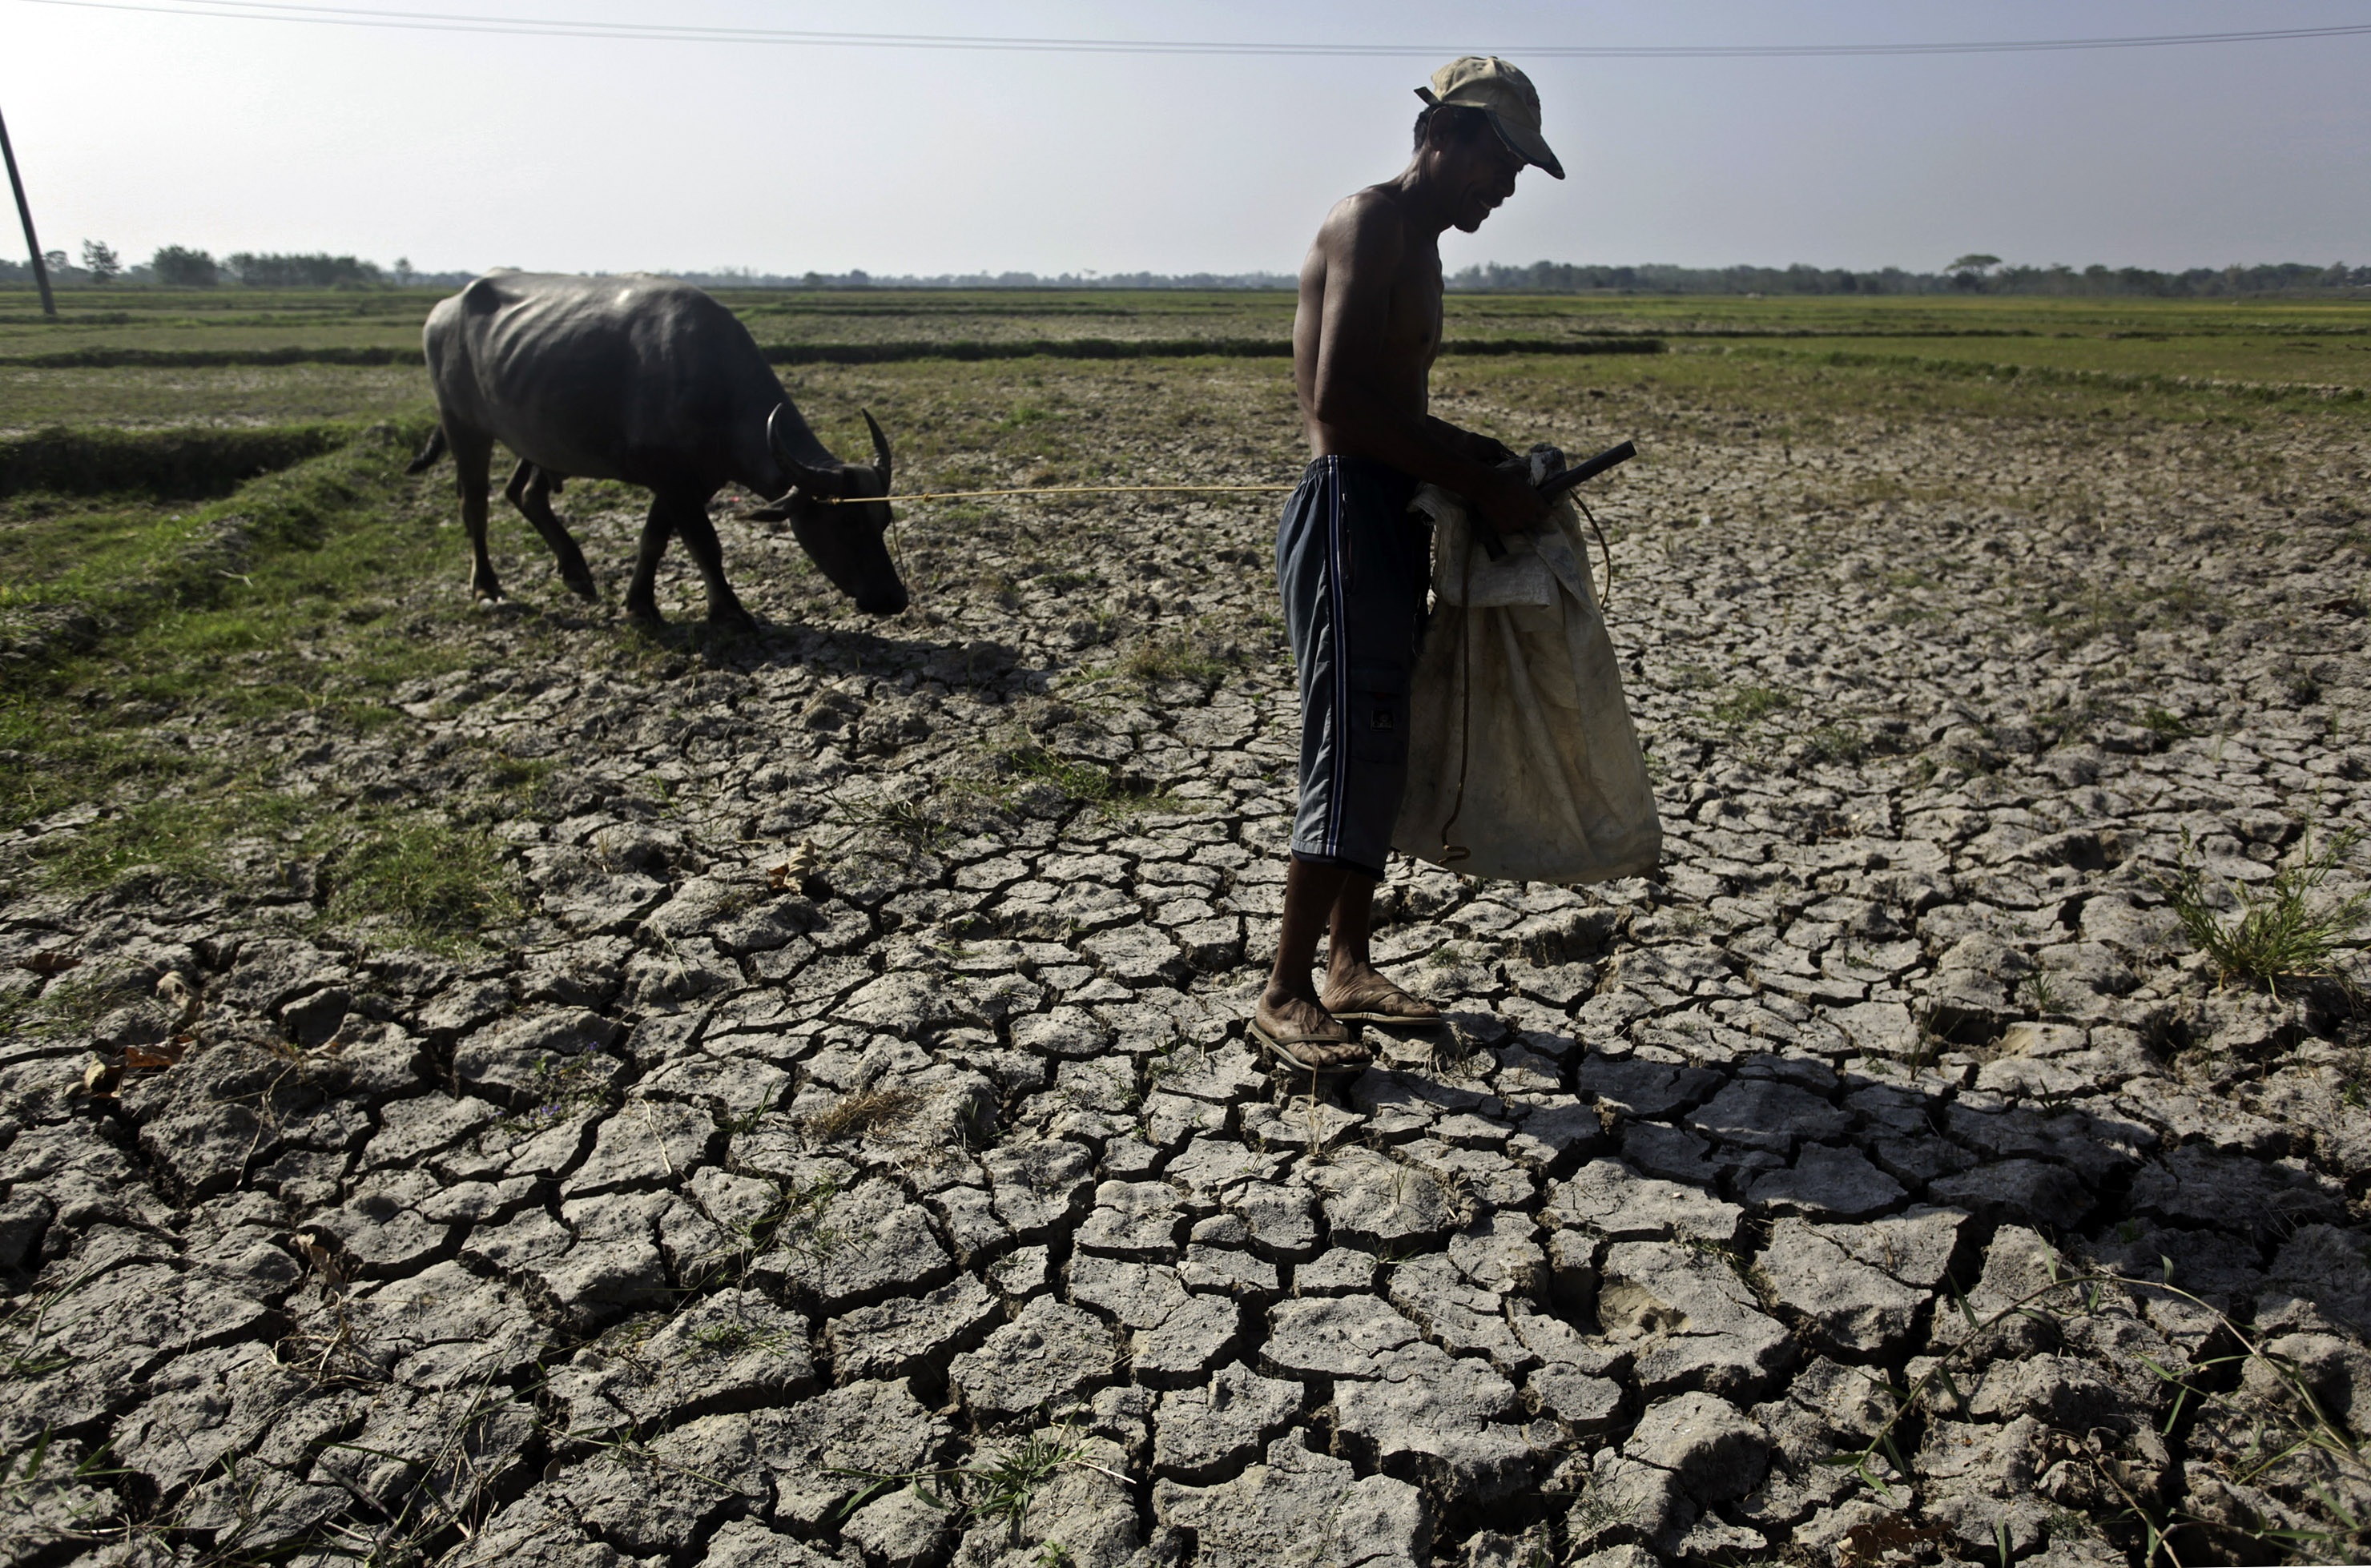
1506, 95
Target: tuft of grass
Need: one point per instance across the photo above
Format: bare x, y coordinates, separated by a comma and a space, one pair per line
563, 1090
1834, 742
999, 1488
858, 1114
1081, 783
439, 886
1158, 661
914, 822
1747, 706
180, 837
2287, 930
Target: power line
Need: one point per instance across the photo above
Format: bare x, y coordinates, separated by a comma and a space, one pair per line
533, 27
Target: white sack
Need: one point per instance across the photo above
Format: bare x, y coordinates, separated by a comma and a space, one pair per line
1517, 679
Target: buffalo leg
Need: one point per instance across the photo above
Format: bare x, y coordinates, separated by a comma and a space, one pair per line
473, 475
698, 535
530, 490
642, 594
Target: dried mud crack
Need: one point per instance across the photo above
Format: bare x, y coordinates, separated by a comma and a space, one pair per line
843, 1146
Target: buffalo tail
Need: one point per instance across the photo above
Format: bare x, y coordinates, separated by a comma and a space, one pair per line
429, 454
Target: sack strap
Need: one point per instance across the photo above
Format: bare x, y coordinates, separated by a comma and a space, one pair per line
1451, 853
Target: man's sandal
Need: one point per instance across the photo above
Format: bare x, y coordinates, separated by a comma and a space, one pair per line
1286, 1050
1373, 1003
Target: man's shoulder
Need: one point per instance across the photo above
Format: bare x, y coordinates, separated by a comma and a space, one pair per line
1370, 217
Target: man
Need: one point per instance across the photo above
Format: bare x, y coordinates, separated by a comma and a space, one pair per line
1351, 562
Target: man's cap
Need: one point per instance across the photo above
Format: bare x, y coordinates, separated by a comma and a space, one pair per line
1506, 95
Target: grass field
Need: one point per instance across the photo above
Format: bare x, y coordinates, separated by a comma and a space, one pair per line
234, 540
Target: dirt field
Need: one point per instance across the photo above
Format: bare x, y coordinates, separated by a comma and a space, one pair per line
489, 1085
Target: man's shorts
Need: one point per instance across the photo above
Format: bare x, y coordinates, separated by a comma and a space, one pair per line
1353, 568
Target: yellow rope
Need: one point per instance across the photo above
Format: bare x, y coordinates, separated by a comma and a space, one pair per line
1058, 489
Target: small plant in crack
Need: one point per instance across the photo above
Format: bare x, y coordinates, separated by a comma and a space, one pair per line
795, 1220
2304, 1428
2290, 930
44, 1488
30, 1351
564, 1088
866, 1111
997, 1487
916, 823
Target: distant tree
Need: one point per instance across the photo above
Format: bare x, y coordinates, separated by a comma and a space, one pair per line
1967, 272
183, 268
403, 269
99, 261
314, 272
55, 261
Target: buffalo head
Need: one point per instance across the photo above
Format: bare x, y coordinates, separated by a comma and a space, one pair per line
845, 541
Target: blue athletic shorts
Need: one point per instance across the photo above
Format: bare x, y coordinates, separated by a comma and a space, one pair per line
1353, 568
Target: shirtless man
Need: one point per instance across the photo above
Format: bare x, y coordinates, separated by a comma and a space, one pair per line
1351, 564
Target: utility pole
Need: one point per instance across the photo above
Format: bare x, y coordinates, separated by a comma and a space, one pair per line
16, 182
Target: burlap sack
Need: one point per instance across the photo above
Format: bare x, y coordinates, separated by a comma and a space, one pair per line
1522, 762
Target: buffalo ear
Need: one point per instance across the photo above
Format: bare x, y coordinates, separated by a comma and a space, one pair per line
772, 512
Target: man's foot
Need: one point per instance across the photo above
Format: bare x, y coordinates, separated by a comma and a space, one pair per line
1300, 1035
1363, 996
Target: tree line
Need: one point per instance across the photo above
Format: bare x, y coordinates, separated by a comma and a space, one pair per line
179, 266
1973, 274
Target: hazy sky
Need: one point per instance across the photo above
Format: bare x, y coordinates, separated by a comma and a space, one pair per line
466, 151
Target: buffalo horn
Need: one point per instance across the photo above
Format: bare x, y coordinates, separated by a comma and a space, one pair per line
814, 480
880, 449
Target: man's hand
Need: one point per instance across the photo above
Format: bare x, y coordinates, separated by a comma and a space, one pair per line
1508, 503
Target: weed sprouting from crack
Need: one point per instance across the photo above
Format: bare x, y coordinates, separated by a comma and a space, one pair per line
2312, 1428
27, 1484
998, 1490
862, 1113
732, 1339
563, 1093
795, 1220
1194, 656
2288, 931
913, 823
1747, 706
22, 1335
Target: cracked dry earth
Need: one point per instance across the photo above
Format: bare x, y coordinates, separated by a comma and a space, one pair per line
736, 1188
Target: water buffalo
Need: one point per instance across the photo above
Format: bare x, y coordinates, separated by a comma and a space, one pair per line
649, 381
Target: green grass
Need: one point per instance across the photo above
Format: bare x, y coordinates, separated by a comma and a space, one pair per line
159, 592
432, 884
279, 605
2264, 342
2288, 930
232, 397
1187, 656
1747, 706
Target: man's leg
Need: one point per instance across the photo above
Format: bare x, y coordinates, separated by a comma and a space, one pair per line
1289, 1005
1354, 988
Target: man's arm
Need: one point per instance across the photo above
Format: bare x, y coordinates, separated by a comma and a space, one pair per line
1471, 444
1354, 384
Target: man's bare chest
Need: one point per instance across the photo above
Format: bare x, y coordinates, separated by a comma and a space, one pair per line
1413, 325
